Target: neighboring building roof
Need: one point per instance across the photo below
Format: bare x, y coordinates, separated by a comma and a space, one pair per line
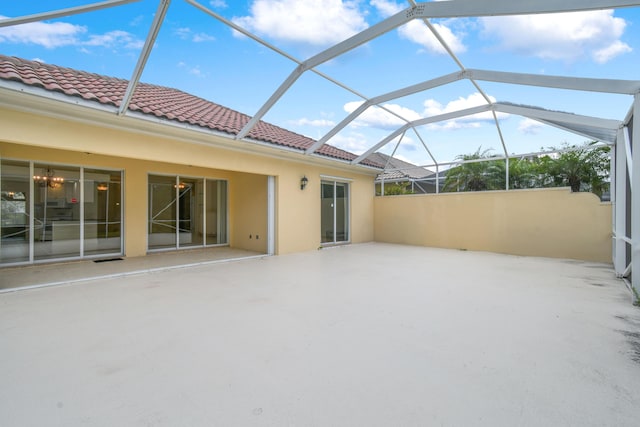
162, 102
400, 170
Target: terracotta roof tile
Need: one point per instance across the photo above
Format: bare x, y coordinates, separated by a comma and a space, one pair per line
406, 170
163, 102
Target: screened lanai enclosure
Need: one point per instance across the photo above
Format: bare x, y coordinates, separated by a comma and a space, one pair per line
420, 82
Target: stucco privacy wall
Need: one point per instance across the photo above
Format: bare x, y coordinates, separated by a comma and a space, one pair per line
545, 222
34, 137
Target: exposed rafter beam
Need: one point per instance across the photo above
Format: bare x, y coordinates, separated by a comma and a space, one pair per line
385, 141
558, 116
626, 87
586, 132
63, 12
635, 196
473, 8
424, 144
163, 6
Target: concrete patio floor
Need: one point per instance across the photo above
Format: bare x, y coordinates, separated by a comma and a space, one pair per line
360, 335
37, 275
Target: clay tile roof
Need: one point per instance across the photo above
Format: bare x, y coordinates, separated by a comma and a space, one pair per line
163, 102
405, 170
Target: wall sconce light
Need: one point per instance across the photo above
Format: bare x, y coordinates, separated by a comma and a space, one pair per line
102, 187
303, 182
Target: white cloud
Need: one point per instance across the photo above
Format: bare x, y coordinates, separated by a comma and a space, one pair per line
114, 39
185, 33
194, 71
386, 8
203, 37
61, 34
417, 32
565, 36
529, 126
607, 53
50, 36
434, 108
378, 118
220, 4
317, 23
354, 142
313, 122
137, 21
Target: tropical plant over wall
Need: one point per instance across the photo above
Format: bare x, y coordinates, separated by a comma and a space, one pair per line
585, 169
475, 176
395, 189
582, 168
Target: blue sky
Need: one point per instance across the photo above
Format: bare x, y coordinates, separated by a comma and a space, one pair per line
202, 56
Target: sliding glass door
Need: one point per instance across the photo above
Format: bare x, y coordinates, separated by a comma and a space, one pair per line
334, 217
50, 212
186, 212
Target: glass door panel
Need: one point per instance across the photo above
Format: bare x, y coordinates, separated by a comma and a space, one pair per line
102, 212
14, 211
342, 212
162, 212
56, 230
327, 212
190, 209
216, 212
186, 212
334, 214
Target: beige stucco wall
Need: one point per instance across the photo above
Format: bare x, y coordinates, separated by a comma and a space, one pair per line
546, 222
27, 137
249, 206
